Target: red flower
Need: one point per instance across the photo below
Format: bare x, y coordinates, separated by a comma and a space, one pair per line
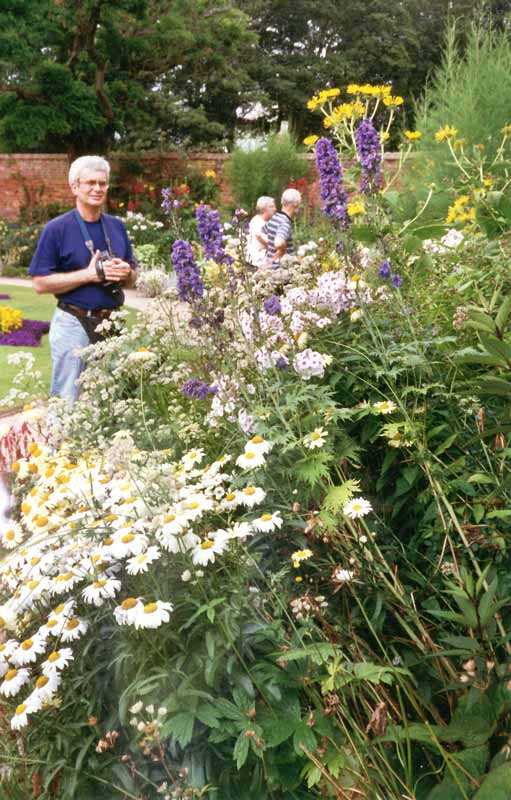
301, 183
131, 205
138, 188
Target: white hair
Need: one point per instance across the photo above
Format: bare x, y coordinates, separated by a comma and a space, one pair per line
291, 197
87, 164
262, 202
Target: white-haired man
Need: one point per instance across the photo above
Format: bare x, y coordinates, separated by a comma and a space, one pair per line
257, 241
84, 258
279, 229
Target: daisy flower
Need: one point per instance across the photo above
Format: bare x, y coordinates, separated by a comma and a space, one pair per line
300, 555
153, 615
141, 563
73, 629
251, 459
20, 719
205, 552
12, 536
104, 588
385, 407
268, 522
45, 687
251, 496
195, 505
230, 500
13, 681
28, 651
240, 530
315, 439
174, 523
57, 660
357, 508
64, 581
128, 611
259, 445
125, 543
193, 457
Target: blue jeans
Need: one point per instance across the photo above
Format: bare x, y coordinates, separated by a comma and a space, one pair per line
66, 336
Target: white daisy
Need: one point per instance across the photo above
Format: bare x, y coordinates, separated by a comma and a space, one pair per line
193, 457
174, 523
230, 500
259, 445
141, 563
153, 615
205, 552
195, 505
315, 439
12, 536
28, 651
251, 496
385, 407
128, 611
268, 522
13, 681
73, 629
357, 508
126, 543
240, 530
66, 580
251, 459
57, 660
8, 617
45, 687
20, 719
99, 591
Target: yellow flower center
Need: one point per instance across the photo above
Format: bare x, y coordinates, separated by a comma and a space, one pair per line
53, 657
170, 518
249, 455
150, 608
249, 490
33, 584
315, 436
51, 623
230, 496
72, 624
130, 602
27, 644
128, 537
99, 584
42, 681
11, 674
206, 544
9, 535
60, 608
257, 440
193, 505
266, 517
20, 709
108, 541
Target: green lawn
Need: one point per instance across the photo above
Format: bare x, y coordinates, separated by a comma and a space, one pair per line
33, 306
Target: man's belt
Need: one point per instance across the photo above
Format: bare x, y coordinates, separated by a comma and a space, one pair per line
77, 311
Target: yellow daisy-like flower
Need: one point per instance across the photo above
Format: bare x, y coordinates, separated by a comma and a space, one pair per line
384, 136
210, 173
412, 136
300, 555
356, 207
506, 130
392, 101
310, 141
461, 211
447, 132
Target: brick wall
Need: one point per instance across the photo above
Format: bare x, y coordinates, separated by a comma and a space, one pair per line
27, 180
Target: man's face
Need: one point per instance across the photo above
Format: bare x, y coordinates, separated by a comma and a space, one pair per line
269, 210
91, 187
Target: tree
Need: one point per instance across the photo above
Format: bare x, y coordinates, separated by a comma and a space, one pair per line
76, 74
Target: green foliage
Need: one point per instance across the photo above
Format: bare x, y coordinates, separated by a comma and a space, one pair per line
265, 171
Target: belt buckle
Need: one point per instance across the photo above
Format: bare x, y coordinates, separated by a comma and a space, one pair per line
89, 313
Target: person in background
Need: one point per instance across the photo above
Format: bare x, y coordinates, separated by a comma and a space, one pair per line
257, 241
279, 229
84, 257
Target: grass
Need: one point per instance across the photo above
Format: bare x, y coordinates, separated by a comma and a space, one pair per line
33, 306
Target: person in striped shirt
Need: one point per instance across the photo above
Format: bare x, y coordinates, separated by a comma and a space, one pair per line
279, 229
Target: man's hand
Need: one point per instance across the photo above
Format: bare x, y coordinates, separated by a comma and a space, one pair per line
117, 270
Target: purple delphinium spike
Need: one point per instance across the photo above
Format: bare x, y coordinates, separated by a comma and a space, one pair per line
396, 281
210, 232
368, 145
272, 305
334, 196
197, 389
189, 282
384, 270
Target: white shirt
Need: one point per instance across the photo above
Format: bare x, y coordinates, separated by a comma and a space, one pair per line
256, 251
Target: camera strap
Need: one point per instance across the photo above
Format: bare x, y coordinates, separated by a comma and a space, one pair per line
89, 244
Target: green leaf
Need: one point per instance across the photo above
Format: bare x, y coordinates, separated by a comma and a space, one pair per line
364, 233
319, 653
493, 385
497, 785
304, 735
241, 749
503, 314
181, 727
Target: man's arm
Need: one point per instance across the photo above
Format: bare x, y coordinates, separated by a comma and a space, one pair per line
61, 282
280, 245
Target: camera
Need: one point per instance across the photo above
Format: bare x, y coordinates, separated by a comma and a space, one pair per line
104, 258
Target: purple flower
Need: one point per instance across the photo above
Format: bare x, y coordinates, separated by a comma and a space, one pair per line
384, 271
396, 281
5, 296
189, 282
169, 201
282, 363
196, 389
29, 335
333, 195
239, 217
272, 305
210, 232
368, 145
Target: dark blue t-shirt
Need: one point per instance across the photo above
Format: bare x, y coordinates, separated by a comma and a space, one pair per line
61, 248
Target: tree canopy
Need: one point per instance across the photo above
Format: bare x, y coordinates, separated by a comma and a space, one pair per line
82, 75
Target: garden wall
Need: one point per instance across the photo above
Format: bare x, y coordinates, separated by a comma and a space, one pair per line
27, 180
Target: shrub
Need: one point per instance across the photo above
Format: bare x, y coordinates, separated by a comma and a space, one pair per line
265, 171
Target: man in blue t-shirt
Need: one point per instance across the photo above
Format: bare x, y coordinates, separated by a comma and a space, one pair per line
84, 258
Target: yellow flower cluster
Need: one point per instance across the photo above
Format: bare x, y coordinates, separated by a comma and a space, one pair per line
344, 111
321, 98
392, 101
310, 141
412, 136
10, 319
210, 173
461, 211
447, 132
370, 90
356, 207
